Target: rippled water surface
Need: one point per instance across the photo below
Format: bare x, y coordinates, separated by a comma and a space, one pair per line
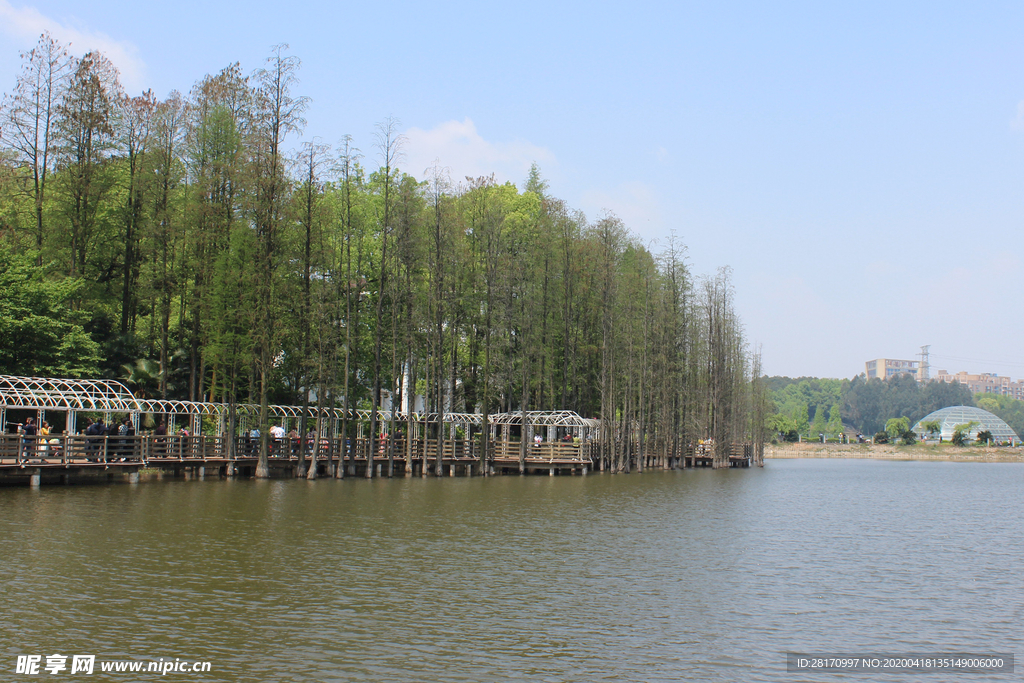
665, 576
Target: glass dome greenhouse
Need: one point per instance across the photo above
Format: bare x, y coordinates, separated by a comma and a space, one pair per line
949, 418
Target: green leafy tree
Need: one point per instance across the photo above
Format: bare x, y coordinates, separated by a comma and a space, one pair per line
86, 119
145, 375
28, 119
192, 241
962, 433
41, 335
937, 395
1008, 409
897, 427
278, 112
933, 427
835, 421
988, 403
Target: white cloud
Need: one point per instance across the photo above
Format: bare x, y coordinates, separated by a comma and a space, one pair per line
23, 26
1018, 122
457, 146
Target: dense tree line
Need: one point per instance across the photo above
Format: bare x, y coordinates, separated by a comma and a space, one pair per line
811, 406
805, 406
1009, 410
200, 239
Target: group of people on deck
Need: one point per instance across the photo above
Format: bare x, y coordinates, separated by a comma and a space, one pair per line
41, 439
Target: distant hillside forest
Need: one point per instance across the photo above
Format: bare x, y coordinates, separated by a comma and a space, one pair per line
198, 248
811, 406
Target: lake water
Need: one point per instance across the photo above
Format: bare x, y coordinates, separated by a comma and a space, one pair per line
666, 576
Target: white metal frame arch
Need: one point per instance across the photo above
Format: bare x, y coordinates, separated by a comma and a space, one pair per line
548, 420
110, 396
65, 395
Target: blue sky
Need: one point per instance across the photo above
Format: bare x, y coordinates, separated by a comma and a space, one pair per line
860, 167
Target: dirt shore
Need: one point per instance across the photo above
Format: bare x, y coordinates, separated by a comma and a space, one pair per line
890, 452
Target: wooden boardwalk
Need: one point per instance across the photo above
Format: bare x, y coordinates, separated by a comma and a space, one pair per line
82, 457
703, 455
68, 459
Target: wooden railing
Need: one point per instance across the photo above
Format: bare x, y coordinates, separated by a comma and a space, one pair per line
545, 451
111, 448
20, 450
108, 449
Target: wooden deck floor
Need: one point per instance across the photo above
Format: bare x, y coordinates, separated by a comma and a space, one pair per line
84, 457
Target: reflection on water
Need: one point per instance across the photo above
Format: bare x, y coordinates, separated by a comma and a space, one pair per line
695, 575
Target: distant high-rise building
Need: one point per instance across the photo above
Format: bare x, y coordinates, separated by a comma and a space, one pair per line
884, 368
985, 383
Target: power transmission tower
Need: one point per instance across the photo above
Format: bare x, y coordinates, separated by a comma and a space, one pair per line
922, 371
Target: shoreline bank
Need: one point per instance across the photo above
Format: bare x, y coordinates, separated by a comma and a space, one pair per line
890, 452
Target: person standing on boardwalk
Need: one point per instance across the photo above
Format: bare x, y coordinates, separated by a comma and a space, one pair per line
103, 431
161, 433
277, 434
28, 435
90, 432
128, 432
44, 433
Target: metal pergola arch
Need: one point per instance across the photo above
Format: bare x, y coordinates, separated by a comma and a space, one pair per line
549, 421
64, 395
110, 396
540, 418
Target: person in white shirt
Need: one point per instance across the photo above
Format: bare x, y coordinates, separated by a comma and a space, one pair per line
276, 433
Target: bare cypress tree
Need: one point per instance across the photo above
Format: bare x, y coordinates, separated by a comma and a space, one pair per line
278, 113
312, 159
85, 123
408, 264
760, 408
439, 271
401, 306
219, 111
135, 137
352, 289
389, 147
28, 118
492, 221
169, 132
609, 232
